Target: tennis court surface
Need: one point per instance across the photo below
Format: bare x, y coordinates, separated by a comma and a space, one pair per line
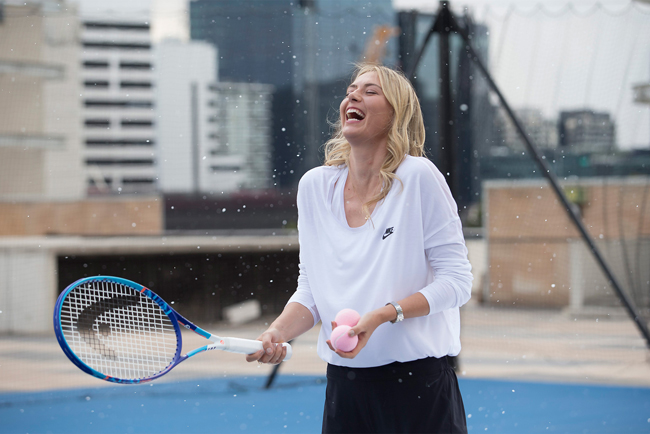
294, 405
520, 372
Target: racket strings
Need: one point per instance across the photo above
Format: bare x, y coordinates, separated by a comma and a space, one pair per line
118, 331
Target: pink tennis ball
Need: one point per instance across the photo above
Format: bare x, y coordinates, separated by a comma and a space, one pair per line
341, 341
348, 317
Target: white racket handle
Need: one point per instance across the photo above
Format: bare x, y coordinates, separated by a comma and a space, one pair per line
248, 346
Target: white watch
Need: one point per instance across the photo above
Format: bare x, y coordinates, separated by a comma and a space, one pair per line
400, 312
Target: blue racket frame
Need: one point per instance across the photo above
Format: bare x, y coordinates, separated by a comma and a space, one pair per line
174, 316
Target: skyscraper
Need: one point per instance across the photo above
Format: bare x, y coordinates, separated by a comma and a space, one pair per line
243, 119
254, 38
118, 105
306, 49
330, 37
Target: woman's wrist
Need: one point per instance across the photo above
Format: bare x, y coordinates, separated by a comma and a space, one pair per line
276, 331
386, 314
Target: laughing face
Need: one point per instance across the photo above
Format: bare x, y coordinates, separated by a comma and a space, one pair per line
366, 115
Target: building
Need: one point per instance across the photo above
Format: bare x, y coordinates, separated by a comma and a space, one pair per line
254, 38
42, 174
118, 106
286, 42
212, 137
586, 131
642, 93
243, 116
255, 42
541, 131
42, 180
330, 36
186, 129
40, 152
305, 49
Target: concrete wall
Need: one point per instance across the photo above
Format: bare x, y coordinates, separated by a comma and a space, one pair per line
29, 275
40, 149
21, 110
21, 172
16, 41
28, 267
27, 289
477, 254
21, 113
63, 167
109, 216
535, 256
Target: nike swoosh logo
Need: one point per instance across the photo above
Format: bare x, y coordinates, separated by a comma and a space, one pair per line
92, 312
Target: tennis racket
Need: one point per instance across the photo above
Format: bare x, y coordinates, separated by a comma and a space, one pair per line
122, 332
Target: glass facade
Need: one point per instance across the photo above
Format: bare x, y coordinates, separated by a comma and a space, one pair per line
306, 49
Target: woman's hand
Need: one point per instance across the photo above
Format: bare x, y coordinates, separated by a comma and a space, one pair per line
273, 352
363, 330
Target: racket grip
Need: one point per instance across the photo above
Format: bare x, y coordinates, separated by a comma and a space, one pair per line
249, 346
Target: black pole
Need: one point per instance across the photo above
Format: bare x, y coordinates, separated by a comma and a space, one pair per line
546, 170
447, 161
273, 374
442, 25
466, 168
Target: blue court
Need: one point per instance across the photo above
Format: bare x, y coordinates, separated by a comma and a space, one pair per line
294, 405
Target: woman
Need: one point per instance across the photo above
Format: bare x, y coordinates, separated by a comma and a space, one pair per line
379, 233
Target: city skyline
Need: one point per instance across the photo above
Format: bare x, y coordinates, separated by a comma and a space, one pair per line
540, 72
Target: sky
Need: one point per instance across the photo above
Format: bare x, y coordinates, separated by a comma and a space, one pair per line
169, 15
530, 58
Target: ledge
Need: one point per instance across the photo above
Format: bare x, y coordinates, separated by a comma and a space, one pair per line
31, 141
146, 245
32, 69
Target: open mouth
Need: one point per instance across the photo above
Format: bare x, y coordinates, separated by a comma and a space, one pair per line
353, 114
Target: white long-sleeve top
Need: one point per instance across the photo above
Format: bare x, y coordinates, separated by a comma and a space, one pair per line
413, 242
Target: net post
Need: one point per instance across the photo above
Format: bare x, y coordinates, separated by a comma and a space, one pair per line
273, 374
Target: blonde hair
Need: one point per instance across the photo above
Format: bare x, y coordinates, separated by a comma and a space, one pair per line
406, 134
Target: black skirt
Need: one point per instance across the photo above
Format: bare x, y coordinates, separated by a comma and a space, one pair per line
421, 396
